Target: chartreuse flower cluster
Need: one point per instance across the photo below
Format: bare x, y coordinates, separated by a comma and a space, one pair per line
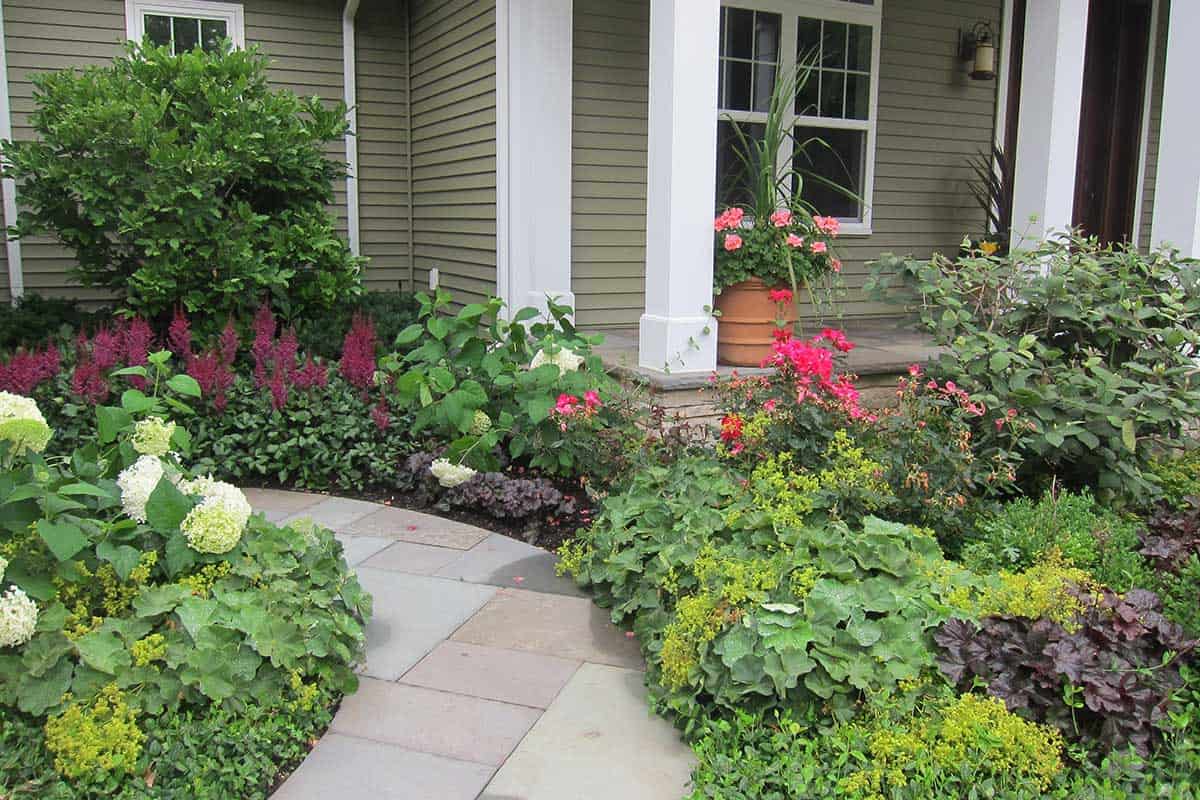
1049, 589
92, 740
93, 595
152, 436
22, 424
217, 523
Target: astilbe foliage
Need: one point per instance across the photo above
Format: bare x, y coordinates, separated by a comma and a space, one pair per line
1120, 659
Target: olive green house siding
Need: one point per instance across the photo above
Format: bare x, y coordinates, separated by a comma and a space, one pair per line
453, 111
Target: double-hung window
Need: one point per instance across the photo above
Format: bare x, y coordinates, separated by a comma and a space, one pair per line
184, 25
835, 107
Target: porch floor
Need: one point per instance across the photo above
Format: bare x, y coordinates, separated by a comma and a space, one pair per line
883, 347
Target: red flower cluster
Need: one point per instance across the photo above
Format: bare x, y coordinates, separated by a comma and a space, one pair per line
568, 406
809, 365
783, 296
380, 415
731, 432
358, 353
28, 369
212, 370
128, 344
837, 339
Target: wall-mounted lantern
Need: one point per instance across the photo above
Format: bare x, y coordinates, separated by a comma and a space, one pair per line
978, 46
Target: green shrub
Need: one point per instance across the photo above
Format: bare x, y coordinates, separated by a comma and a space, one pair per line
187, 180
36, 319
139, 591
1178, 477
1094, 346
321, 333
745, 595
1087, 535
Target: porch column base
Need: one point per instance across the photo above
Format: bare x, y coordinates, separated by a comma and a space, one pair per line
677, 344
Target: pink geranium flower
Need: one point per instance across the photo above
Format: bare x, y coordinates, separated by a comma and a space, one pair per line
732, 242
781, 218
836, 264
795, 241
591, 399
827, 225
819, 247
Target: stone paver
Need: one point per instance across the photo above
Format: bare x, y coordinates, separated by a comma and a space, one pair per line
336, 512
478, 657
358, 769
568, 627
429, 721
417, 559
510, 676
358, 549
598, 740
413, 526
412, 614
503, 561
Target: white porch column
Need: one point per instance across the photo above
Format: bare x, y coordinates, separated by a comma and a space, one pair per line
533, 148
1177, 181
1048, 122
681, 187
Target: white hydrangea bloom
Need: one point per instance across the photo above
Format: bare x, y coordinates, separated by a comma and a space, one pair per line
216, 525
136, 482
18, 618
564, 359
152, 436
22, 423
450, 475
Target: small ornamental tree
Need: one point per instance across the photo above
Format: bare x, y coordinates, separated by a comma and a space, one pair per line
186, 180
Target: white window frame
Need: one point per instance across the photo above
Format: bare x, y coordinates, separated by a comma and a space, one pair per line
229, 13
790, 12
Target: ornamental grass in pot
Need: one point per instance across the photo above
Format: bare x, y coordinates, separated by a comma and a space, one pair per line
773, 248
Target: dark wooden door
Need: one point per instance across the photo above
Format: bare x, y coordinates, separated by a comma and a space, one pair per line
1110, 134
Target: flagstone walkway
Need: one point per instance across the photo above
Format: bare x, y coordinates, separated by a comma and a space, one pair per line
487, 677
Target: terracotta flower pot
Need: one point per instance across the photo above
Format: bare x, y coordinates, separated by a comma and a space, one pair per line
745, 331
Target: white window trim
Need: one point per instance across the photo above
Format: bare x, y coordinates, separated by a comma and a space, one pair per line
230, 13
838, 11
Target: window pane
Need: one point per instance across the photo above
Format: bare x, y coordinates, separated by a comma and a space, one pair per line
766, 37
858, 96
837, 157
833, 45
739, 33
764, 84
859, 51
737, 86
212, 32
158, 29
734, 179
832, 88
808, 93
187, 33
809, 45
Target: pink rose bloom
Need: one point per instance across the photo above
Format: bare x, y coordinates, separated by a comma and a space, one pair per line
836, 263
732, 242
827, 225
819, 247
781, 218
795, 241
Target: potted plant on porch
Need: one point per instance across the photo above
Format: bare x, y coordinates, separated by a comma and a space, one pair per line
774, 246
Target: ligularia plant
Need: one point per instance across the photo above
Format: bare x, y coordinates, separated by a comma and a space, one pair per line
450, 475
136, 482
217, 523
564, 359
152, 436
18, 618
22, 424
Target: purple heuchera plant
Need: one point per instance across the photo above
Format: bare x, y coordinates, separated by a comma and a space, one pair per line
1121, 653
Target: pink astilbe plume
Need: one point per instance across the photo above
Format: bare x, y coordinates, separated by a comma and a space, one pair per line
213, 376
229, 344
358, 353
285, 352
107, 349
137, 339
179, 335
380, 415
263, 347
279, 388
28, 369
313, 375
87, 381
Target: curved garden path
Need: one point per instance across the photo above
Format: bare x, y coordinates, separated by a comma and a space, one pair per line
487, 677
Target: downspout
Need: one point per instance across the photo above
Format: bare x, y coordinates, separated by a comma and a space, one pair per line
8, 187
408, 145
349, 64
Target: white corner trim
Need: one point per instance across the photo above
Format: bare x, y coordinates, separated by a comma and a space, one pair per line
232, 13
1000, 113
350, 84
1139, 193
12, 247
503, 190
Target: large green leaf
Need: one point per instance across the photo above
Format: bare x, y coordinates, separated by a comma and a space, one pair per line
167, 507
64, 539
